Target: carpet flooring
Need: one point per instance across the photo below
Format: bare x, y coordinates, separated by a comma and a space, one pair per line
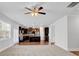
35, 50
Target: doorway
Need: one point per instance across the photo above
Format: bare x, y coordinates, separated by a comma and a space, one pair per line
32, 36
46, 33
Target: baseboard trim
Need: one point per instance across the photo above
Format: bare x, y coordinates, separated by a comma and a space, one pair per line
74, 49
6, 47
61, 47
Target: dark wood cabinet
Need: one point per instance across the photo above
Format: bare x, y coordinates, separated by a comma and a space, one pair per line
29, 34
26, 38
35, 39
30, 39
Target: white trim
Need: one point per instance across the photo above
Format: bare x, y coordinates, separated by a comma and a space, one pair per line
74, 49
6, 47
61, 46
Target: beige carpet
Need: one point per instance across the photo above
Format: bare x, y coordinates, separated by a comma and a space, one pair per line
35, 50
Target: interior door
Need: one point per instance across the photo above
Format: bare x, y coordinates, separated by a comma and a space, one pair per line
46, 29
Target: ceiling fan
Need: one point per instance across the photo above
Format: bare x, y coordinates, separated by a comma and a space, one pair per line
35, 11
72, 4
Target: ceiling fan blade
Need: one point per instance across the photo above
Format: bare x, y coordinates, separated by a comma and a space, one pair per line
42, 13
72, 4
28, 8
27, 13
40, 8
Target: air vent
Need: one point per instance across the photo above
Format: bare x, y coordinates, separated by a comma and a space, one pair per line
73, 4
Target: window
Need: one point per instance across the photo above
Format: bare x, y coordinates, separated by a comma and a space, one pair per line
5, 30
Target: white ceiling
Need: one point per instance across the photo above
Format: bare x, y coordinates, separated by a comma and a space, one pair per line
54, 10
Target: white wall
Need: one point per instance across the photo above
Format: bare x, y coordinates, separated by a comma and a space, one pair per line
73, 32
16, 33
61, 33
67, 32
7, 42
51, 34
42, 33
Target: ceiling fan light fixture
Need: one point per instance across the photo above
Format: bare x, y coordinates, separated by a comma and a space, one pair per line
35, 11
34, 14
